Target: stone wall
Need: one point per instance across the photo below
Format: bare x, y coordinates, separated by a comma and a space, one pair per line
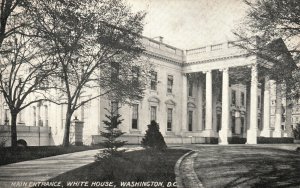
136, 139
33, 135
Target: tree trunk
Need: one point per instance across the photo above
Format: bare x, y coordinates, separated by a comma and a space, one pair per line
66, 140
13, 130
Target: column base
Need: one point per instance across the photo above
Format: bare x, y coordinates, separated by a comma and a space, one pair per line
224, 142
223, 136
209, 133
277, 134
251, 136
266, 133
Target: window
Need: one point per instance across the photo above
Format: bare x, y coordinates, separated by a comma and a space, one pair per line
218, 122
190, 88
135, 116
258, 124
233, 97
135, 75
242, 124
219, 99
190, 120
114, 111
40, 121
114, 108
170, 119
170, 84
242, 98
153, 80
153, 113
6, 120
115, 67
233, 124
258, 101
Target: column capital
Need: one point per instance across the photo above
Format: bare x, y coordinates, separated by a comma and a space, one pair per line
254, 67
254, 74
224, 70
206, 71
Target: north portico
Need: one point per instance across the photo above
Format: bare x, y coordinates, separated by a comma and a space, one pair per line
225, 65
222, 58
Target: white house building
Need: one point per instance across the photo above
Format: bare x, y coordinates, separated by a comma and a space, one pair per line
190, 95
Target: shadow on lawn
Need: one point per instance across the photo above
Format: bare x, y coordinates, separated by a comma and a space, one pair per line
132, 166
281, 170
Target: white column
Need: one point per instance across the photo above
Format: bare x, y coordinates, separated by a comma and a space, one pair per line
200, 105
223, 133
252, 132
266, 132
208, 108
278, 111
184, 103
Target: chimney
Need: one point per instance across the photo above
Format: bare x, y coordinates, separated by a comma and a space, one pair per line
161, 39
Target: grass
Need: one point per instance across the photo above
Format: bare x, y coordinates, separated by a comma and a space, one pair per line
36, 152
233, 166
137, 166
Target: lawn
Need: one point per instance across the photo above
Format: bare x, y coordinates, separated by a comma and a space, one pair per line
36, 152
233, 166
135, 166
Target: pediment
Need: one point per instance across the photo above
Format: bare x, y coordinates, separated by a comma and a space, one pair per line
154, 99
191, 105
170, 102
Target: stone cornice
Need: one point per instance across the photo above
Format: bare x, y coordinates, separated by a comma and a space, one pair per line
163, 58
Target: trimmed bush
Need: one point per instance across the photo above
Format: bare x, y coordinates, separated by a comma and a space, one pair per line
22, 143
267, 140
153, 138
296, 132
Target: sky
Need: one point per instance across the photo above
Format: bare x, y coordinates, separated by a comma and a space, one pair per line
188, 24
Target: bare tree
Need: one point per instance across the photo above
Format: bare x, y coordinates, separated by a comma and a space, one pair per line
96, 45
25, 71
270, 20
9, 10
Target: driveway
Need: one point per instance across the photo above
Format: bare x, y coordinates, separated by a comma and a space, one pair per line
243, 166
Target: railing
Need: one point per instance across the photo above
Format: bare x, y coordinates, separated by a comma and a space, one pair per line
163, 49
215, 51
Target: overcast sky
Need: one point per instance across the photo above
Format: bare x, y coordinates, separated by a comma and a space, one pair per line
190, 24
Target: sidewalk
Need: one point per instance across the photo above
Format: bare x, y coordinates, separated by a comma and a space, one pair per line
43, 169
